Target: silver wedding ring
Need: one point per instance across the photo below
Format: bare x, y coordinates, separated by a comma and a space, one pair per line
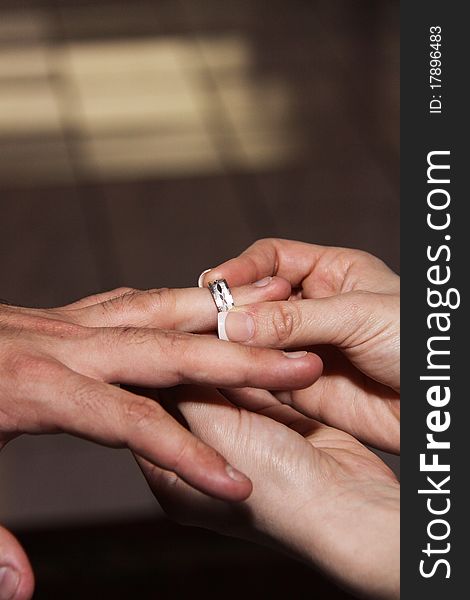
221, 294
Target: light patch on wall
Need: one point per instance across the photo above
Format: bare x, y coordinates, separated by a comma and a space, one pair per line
140, 108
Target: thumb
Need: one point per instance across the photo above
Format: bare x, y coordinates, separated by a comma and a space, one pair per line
16, 575
337, 320
363, 325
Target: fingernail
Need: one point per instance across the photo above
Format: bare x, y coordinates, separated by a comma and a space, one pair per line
200, 281
234, 474
9, 580
263, 282
235, 326
298, 354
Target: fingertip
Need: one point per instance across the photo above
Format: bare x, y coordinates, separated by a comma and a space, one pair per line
9, 582
234, 271
16, 574
223, 482
239, 487
208, 471
301, 370
26, 586
235, 474
242, 492
316, 364
313, 365
278, 289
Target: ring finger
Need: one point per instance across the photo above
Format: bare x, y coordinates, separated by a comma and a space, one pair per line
190, 309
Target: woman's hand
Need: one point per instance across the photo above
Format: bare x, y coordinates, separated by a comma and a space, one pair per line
57, 367
345, 300
317, 492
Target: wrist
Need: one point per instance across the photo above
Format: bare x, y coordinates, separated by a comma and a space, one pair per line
358, 544
352, 537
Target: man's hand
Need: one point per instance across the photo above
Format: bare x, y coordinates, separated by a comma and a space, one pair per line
347, 303
57, 367
317, 492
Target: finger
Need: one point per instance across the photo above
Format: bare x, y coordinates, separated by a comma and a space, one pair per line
354, 322
231, 430
373, 419
320, 270
16, 574
267, 257
340, 400
158, 358
183, 503
336, 320
115, 417
213, 419
344, 399
252, 399
269, 405
191, 309
186, 505
180, 501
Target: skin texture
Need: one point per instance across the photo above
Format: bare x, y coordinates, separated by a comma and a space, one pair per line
57, 367
346, 307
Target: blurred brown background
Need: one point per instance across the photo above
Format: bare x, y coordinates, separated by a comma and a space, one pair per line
141, 142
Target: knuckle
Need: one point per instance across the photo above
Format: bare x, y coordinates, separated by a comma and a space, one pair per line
22, 373
356, 313
171, 348
121, 303
120, 291
142, 303
142, 413
88, 396
253, 355
284, 321
103, 297
347, 265
265, 245
30, 367
366, 259
126, 336
150, 300
176, 345
117, 299
357, 253
267, 241
188, 446
161, 299
193, 449
41, 322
